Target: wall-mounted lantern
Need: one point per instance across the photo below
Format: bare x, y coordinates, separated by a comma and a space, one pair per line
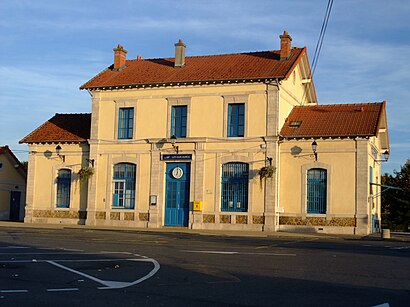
386, 155
314, 149
58, 150
173, 140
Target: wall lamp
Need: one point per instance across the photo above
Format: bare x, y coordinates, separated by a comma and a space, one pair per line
269, 159
173, 140
314, 149
90, 161
58, 150
386, 155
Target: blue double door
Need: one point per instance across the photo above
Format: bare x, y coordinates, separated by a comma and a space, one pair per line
177, 194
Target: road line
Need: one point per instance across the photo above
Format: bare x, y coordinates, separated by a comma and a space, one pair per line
14, 247
237, 253
13, 291
63, 289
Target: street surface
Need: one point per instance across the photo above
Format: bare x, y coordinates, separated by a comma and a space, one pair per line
68, 266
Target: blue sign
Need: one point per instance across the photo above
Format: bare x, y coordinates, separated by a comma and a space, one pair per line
174, 157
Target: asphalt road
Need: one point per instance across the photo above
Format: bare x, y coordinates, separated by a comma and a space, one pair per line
85, 267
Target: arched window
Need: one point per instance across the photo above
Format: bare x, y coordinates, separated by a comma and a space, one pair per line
124, 186
235, 179
316, 190
63, 188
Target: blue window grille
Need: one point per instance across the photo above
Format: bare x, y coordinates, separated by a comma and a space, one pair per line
125, 123
179, 121
236, 120
63, 188
316, 190
235, 179
124, 186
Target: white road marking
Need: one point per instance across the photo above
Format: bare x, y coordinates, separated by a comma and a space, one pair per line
13, 291
237, 253
400, 247
111, 284
13, 247
61, 290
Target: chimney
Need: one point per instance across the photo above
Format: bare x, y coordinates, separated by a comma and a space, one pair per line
120, 56
285, 45
180, 54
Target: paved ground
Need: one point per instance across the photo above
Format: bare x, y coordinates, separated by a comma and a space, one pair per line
49, 265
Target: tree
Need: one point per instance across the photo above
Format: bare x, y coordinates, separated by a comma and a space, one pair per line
396, 202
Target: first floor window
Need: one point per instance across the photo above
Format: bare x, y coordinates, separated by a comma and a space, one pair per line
235, 178
316, 191
236, 119
124, 186
125, 123
179, 121
63, 188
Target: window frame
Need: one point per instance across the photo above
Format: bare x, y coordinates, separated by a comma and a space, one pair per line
129, 195
232, 183
178, 101
303, 200
63, 185
179, 121
236, 120
316, 191
235, 99
125, 124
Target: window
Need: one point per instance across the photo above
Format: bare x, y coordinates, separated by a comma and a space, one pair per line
124, 186
63, 188
179, 121
316, 190
236, 119
125, 123
235, 177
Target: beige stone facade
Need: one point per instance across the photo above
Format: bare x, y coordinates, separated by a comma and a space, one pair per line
140, 172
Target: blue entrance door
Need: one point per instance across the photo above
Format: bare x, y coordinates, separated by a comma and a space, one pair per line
177, 194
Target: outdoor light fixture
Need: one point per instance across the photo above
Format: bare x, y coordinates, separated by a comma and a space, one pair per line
173, 140
314, 149
269, 159
58, 150
386, 155
90, 161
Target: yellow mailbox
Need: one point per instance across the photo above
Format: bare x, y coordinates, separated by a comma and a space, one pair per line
198, 205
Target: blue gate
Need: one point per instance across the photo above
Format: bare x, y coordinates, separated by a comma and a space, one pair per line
177, 194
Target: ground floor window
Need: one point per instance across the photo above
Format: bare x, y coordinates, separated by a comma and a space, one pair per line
316, 191
235, 180
63, 188
124, 185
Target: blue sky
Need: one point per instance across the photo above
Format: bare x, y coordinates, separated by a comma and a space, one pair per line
49, 48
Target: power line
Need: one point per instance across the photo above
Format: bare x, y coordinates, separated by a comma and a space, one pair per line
319, 45
321, 36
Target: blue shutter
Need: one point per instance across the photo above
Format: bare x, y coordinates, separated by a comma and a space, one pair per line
236, 120
125, 123
179, 121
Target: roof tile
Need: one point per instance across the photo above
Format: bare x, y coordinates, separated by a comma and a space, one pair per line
263, 64
336, 120
62, 128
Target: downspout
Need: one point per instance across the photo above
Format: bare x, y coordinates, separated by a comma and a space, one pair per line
277, 192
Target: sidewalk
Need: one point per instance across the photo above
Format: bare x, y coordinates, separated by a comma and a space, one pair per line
395, 236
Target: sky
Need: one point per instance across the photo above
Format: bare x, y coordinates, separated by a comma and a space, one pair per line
49, 48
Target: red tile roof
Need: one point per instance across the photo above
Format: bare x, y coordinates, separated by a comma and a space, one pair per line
336, 120
62, 128
240, 66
